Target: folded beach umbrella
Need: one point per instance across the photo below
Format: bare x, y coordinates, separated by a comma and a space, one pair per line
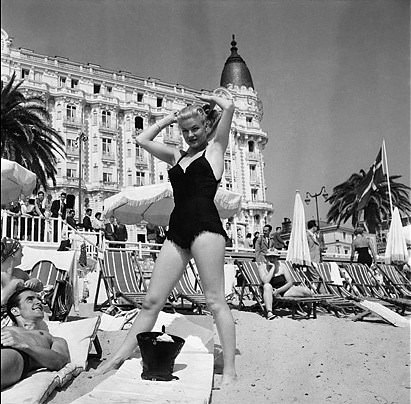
298, 251
154, 204
15, 180
396, 249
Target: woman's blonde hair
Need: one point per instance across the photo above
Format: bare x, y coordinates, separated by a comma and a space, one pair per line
204, 113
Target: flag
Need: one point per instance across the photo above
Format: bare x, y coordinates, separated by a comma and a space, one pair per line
370, 182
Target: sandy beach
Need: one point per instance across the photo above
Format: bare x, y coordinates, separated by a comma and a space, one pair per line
323, 360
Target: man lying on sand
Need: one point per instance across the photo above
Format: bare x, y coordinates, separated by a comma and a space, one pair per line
28, 345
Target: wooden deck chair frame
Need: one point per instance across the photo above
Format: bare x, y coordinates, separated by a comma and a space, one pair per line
122, 278
185, 290
250, 273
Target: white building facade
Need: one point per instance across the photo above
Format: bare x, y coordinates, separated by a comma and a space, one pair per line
111, 107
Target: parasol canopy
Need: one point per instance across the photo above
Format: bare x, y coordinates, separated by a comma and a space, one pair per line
298, 251
154, 204
15, 180
396, 249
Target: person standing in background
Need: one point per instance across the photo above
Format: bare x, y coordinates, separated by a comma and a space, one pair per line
87, 226
263, 243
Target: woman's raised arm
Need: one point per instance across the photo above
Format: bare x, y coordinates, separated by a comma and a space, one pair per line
146, 140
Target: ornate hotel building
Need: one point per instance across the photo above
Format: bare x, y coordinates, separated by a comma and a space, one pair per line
111, 107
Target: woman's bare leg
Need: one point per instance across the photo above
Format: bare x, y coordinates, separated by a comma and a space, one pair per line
168, 269
208, 253
268, 297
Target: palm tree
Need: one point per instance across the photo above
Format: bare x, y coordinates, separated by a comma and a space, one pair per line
26, 133
344, 201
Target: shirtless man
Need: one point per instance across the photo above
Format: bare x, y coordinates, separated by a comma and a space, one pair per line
28, 345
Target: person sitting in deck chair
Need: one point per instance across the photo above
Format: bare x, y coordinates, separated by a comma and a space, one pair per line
277, 281
28, 345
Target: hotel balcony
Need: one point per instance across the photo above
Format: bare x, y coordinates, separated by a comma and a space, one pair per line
134, 105
72, 151
107, 128
72, 122
99, 98
258, 205
108, 157
109, 185
252, 156
141, 161
66, 91
172, 138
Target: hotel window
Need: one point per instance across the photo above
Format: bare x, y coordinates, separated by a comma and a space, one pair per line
96, 88
254, 194
58, 115
74, 83
128, 123
139, 152
71, 144
129, 179
95, 118
71, 113
62, 81
249, 121
25, 73
106, 145
251, 146
109, 90
71, 173
139, 97
159, 102
138, 122
38, 77
106, 119
140, 178
161, 177
227, 166
229, 186
253, 173
107, 177
128, 152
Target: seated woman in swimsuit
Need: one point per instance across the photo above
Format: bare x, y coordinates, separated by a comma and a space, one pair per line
277, 281
195, 229
28, 345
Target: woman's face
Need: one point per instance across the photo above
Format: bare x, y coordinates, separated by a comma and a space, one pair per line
194, 132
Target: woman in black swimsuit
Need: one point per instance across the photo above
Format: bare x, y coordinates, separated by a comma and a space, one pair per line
277, 281
362, 246
195, 229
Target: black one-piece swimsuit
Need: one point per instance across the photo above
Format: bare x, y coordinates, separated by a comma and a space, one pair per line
194, 211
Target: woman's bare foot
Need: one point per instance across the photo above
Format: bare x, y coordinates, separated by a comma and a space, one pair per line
229, 379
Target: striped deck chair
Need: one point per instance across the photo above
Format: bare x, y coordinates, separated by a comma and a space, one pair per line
369, 288
189, 288
58, 290
342, 297
395, 279
47, 273
252, 280
122, 278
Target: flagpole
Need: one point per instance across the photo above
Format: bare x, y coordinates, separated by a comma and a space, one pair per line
388, 175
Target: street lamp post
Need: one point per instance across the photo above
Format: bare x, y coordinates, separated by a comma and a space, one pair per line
82, 137
308, 197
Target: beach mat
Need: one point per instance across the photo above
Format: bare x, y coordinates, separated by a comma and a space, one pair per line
194, 367
381, 311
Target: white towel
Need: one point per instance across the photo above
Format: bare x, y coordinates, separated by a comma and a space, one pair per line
335, 274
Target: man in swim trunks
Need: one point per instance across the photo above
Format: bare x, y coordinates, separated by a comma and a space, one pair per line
28, 345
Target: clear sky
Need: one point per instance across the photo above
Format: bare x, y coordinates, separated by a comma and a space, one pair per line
333, 75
